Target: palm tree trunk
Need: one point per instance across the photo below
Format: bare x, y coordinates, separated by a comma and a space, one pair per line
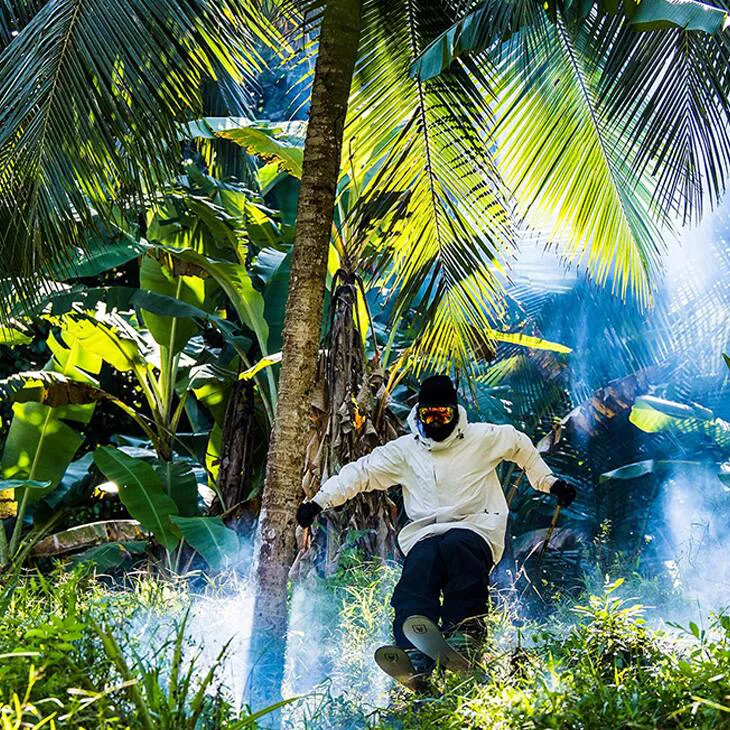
275, 541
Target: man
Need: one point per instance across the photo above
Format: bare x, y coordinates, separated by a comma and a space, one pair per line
454, 500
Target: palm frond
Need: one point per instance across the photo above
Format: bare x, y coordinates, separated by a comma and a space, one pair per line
688, 15
568, 165
663, 69
14, 16
495, 21
90, 97
492, 21
668, 93
418, 149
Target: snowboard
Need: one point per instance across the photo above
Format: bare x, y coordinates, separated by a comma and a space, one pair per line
395, 662
427, 637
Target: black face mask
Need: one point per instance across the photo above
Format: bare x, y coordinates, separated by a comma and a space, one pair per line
439, 433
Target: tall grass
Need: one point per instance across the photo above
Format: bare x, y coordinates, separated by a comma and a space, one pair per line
606, 670
72, 655
78, 652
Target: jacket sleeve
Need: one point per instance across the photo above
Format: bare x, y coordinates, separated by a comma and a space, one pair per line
380, 469
513, 445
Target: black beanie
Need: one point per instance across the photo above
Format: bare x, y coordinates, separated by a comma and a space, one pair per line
438, 390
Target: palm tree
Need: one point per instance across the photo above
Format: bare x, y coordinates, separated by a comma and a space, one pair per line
557, 113
91, 97
575, 119
338, 43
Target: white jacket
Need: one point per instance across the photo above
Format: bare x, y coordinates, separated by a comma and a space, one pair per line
446, 484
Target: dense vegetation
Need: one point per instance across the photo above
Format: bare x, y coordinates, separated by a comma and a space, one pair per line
144, 653
231, 243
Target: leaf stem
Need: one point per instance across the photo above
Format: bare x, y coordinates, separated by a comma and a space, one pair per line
18, 528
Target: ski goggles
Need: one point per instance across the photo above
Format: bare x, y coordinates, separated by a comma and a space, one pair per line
436, 415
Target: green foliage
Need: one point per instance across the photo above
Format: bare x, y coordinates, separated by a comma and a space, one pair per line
39, 446
43, 439
140, 489
172, 333
179, 481
654, 415
235, 281
71, 659
590, 139
492, 21
686, 15
281, 143
148, 494
590, 667
609, 670
434, 217
155, 338
67, 111
13, 336
209, 537
111, 556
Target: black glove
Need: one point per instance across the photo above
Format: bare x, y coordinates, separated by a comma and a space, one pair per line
307, 512
564, 492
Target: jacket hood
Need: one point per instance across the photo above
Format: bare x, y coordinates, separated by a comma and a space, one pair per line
430, 444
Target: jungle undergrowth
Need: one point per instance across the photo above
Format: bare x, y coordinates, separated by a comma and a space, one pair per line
592, 663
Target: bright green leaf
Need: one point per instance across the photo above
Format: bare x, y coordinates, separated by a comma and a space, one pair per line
264, 362
170, 332
13, 336
280, 142
39, 446
140, 490
210, 537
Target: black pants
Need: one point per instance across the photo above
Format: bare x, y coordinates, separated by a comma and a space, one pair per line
456, 564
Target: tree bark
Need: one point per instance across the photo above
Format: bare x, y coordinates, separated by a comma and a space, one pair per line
234, 474
275, 540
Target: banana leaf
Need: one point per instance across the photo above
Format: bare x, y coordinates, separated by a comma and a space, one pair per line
275, 296
141, 492
39, 447
279, 142
209, 537
235, 281
41, 444
12, 336
20, 483
107, 341
213, 453
179, 482
171, 332
654, 415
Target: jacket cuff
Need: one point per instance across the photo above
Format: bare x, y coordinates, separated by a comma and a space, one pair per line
549, 480
321, 499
